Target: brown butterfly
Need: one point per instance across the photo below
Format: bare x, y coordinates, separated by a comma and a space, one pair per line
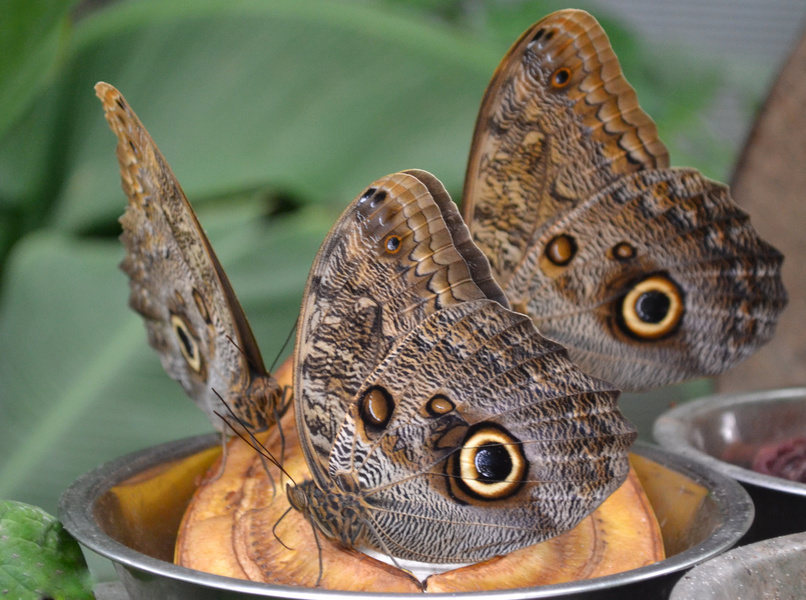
647, 274
438, 425
193, 318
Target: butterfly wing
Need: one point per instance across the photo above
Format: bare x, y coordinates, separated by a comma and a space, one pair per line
193, 319
648, 275
436, 370
369, 286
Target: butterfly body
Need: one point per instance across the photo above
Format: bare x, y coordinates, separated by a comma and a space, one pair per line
441, 427
647, 274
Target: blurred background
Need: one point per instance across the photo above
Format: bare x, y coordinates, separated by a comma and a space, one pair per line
274, 115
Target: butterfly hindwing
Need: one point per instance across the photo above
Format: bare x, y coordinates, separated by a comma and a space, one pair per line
648, 274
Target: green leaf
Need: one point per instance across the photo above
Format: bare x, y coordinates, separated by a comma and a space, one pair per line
313, 97
33, 35
38, 558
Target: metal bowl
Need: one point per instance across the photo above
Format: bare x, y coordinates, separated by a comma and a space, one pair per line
774, 568
129, 511
724, 431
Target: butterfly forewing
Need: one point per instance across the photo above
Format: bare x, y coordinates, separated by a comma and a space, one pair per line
193, 318
649, 275
389, 262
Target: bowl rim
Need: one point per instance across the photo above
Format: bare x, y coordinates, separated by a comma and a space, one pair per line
672, 427
76, 507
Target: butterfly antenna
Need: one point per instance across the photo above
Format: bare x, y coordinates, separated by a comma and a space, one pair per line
282, 349
253, 366
281, 432
261, 449
265, 456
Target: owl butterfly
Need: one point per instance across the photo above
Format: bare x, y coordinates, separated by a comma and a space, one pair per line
647, 274
193, 318
438, 425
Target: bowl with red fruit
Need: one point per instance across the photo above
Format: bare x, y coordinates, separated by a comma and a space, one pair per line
757, 438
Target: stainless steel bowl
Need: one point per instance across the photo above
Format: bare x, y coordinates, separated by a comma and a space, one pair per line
723, 431
702, 514
774, 568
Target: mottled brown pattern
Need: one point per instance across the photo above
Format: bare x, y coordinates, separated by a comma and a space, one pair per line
562, 148
173, 271
425, 320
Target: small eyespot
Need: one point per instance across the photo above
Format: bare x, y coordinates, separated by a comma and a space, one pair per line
377, 198
367, 195
561, 250
652, 308
188, 343
201, 306
392, 244
375, 407
536, 37
439, 405
560, 77
491, 465
622, 251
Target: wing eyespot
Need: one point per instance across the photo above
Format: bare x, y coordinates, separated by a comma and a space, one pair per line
377, 198
392, 244
561, 250
439, 405
367, 195
188, 343
560, 78
536, 37
490, 465
622, 252
201, 306
652, 309
375, 408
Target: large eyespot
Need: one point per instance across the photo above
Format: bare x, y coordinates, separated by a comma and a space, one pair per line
375, 407
560, 78
652, 309
188, 343
491, 463
561, 250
